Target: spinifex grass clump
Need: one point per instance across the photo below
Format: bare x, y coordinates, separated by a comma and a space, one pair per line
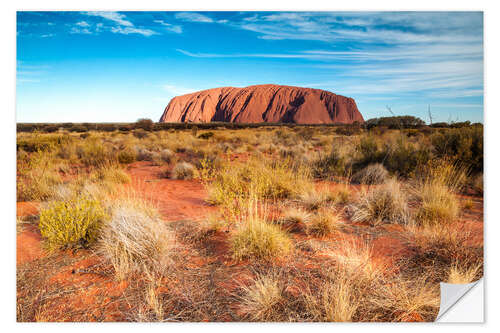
94, 153
324, 222
435, 190
254, 237
267, 179
183, 170
37, 177
72, 224
135, 239
264, 299
372, 174
384, 204
112, 174
127, 156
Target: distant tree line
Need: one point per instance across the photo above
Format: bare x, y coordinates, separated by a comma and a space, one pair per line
398, 122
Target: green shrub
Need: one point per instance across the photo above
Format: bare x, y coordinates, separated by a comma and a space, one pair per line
369, 152
463, 144
327, 166
71, 224
404, 158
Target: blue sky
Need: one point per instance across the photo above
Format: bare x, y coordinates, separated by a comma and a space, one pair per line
121, 66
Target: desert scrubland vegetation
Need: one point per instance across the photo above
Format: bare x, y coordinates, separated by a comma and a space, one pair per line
297, 223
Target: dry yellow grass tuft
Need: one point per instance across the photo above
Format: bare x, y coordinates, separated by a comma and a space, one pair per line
338, 300
295, 219
384, 204
324, 222
462, 274
262, 300
136, 239
254, 237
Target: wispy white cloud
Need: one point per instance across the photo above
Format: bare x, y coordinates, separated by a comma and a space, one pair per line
82, 24
397, 27
132, 30
169, 27
193, 17
120, 24
116, 17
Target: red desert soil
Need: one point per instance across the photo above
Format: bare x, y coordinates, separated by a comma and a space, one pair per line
175, 199
263, 103
28, 240
96, 296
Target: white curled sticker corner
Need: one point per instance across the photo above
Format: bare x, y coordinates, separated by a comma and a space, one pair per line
461, 302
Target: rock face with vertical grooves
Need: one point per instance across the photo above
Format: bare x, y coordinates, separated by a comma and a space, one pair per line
263, 103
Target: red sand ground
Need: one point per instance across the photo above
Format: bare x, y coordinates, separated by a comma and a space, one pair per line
95, 295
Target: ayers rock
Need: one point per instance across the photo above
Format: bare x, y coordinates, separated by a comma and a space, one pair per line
263, 103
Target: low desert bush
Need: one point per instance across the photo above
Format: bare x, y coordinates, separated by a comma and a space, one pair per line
166, 155
143, 154
263, 300
462, 144
135, 239
403, 158
183, 170
384, 204
71, 224
329, 165
368, 151
372, 174
355, 257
